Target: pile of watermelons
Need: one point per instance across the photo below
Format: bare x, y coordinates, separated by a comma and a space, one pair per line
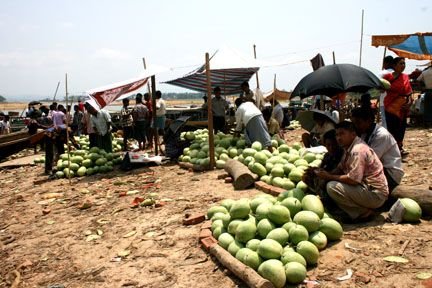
88, 161
278, 237
284, 167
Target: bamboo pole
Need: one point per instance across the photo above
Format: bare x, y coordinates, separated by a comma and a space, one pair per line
155, 131
210, 113
361, 37
55, 93
256, 74
274, 92
148, 83
67, 128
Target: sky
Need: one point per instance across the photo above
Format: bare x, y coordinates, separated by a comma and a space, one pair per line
101, 42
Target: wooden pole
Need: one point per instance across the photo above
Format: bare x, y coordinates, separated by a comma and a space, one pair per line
148, 83
210, 113
256, 74
155, 130
274, 91
385, 51
361, 38
334, 58
67, 128
55, 93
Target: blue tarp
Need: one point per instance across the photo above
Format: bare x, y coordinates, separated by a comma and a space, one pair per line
413, 46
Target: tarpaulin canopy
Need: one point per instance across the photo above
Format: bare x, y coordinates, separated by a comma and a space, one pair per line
277, 94
416, 46
228, 70
105, 95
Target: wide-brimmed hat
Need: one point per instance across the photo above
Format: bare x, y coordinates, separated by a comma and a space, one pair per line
306, 118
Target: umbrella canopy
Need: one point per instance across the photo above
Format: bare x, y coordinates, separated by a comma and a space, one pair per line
334, 79
416, 46
277, 94
228, 71
306, 118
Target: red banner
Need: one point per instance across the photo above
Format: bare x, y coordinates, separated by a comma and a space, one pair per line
107, 96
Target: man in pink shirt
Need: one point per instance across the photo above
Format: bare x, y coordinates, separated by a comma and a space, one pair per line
358, 185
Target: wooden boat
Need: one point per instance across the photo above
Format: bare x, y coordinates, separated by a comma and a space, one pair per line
17, 141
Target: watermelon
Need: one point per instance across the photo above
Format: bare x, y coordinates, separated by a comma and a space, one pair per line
245, 231
314, 204
234, 247
295, 273
331, 228
319, 239
270, 249
297, 234
253, 244
309, 251
240, 210
81, 171
257, 146
213, 210
264, 227
292, 256
232, 226
279, 214
252, 259
274, 271
413, 210
279, 234
308, 219
293, 205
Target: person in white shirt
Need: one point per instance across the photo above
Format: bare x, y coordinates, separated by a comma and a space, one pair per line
101, 123
250, 117
387, 68
426, 78
278, 113
5, 127
159, 122
382, 142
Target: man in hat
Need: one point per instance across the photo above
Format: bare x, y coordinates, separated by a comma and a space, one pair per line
323, 123
358, 184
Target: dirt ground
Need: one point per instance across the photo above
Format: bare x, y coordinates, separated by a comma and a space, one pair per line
81, 247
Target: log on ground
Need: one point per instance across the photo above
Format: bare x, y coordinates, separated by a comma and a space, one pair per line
245, 273
243, 177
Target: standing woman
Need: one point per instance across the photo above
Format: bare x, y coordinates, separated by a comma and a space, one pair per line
397, 102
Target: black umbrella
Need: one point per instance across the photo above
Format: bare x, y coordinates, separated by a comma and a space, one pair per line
334, 79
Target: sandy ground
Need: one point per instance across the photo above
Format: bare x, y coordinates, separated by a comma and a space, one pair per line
6, 106
158, 251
